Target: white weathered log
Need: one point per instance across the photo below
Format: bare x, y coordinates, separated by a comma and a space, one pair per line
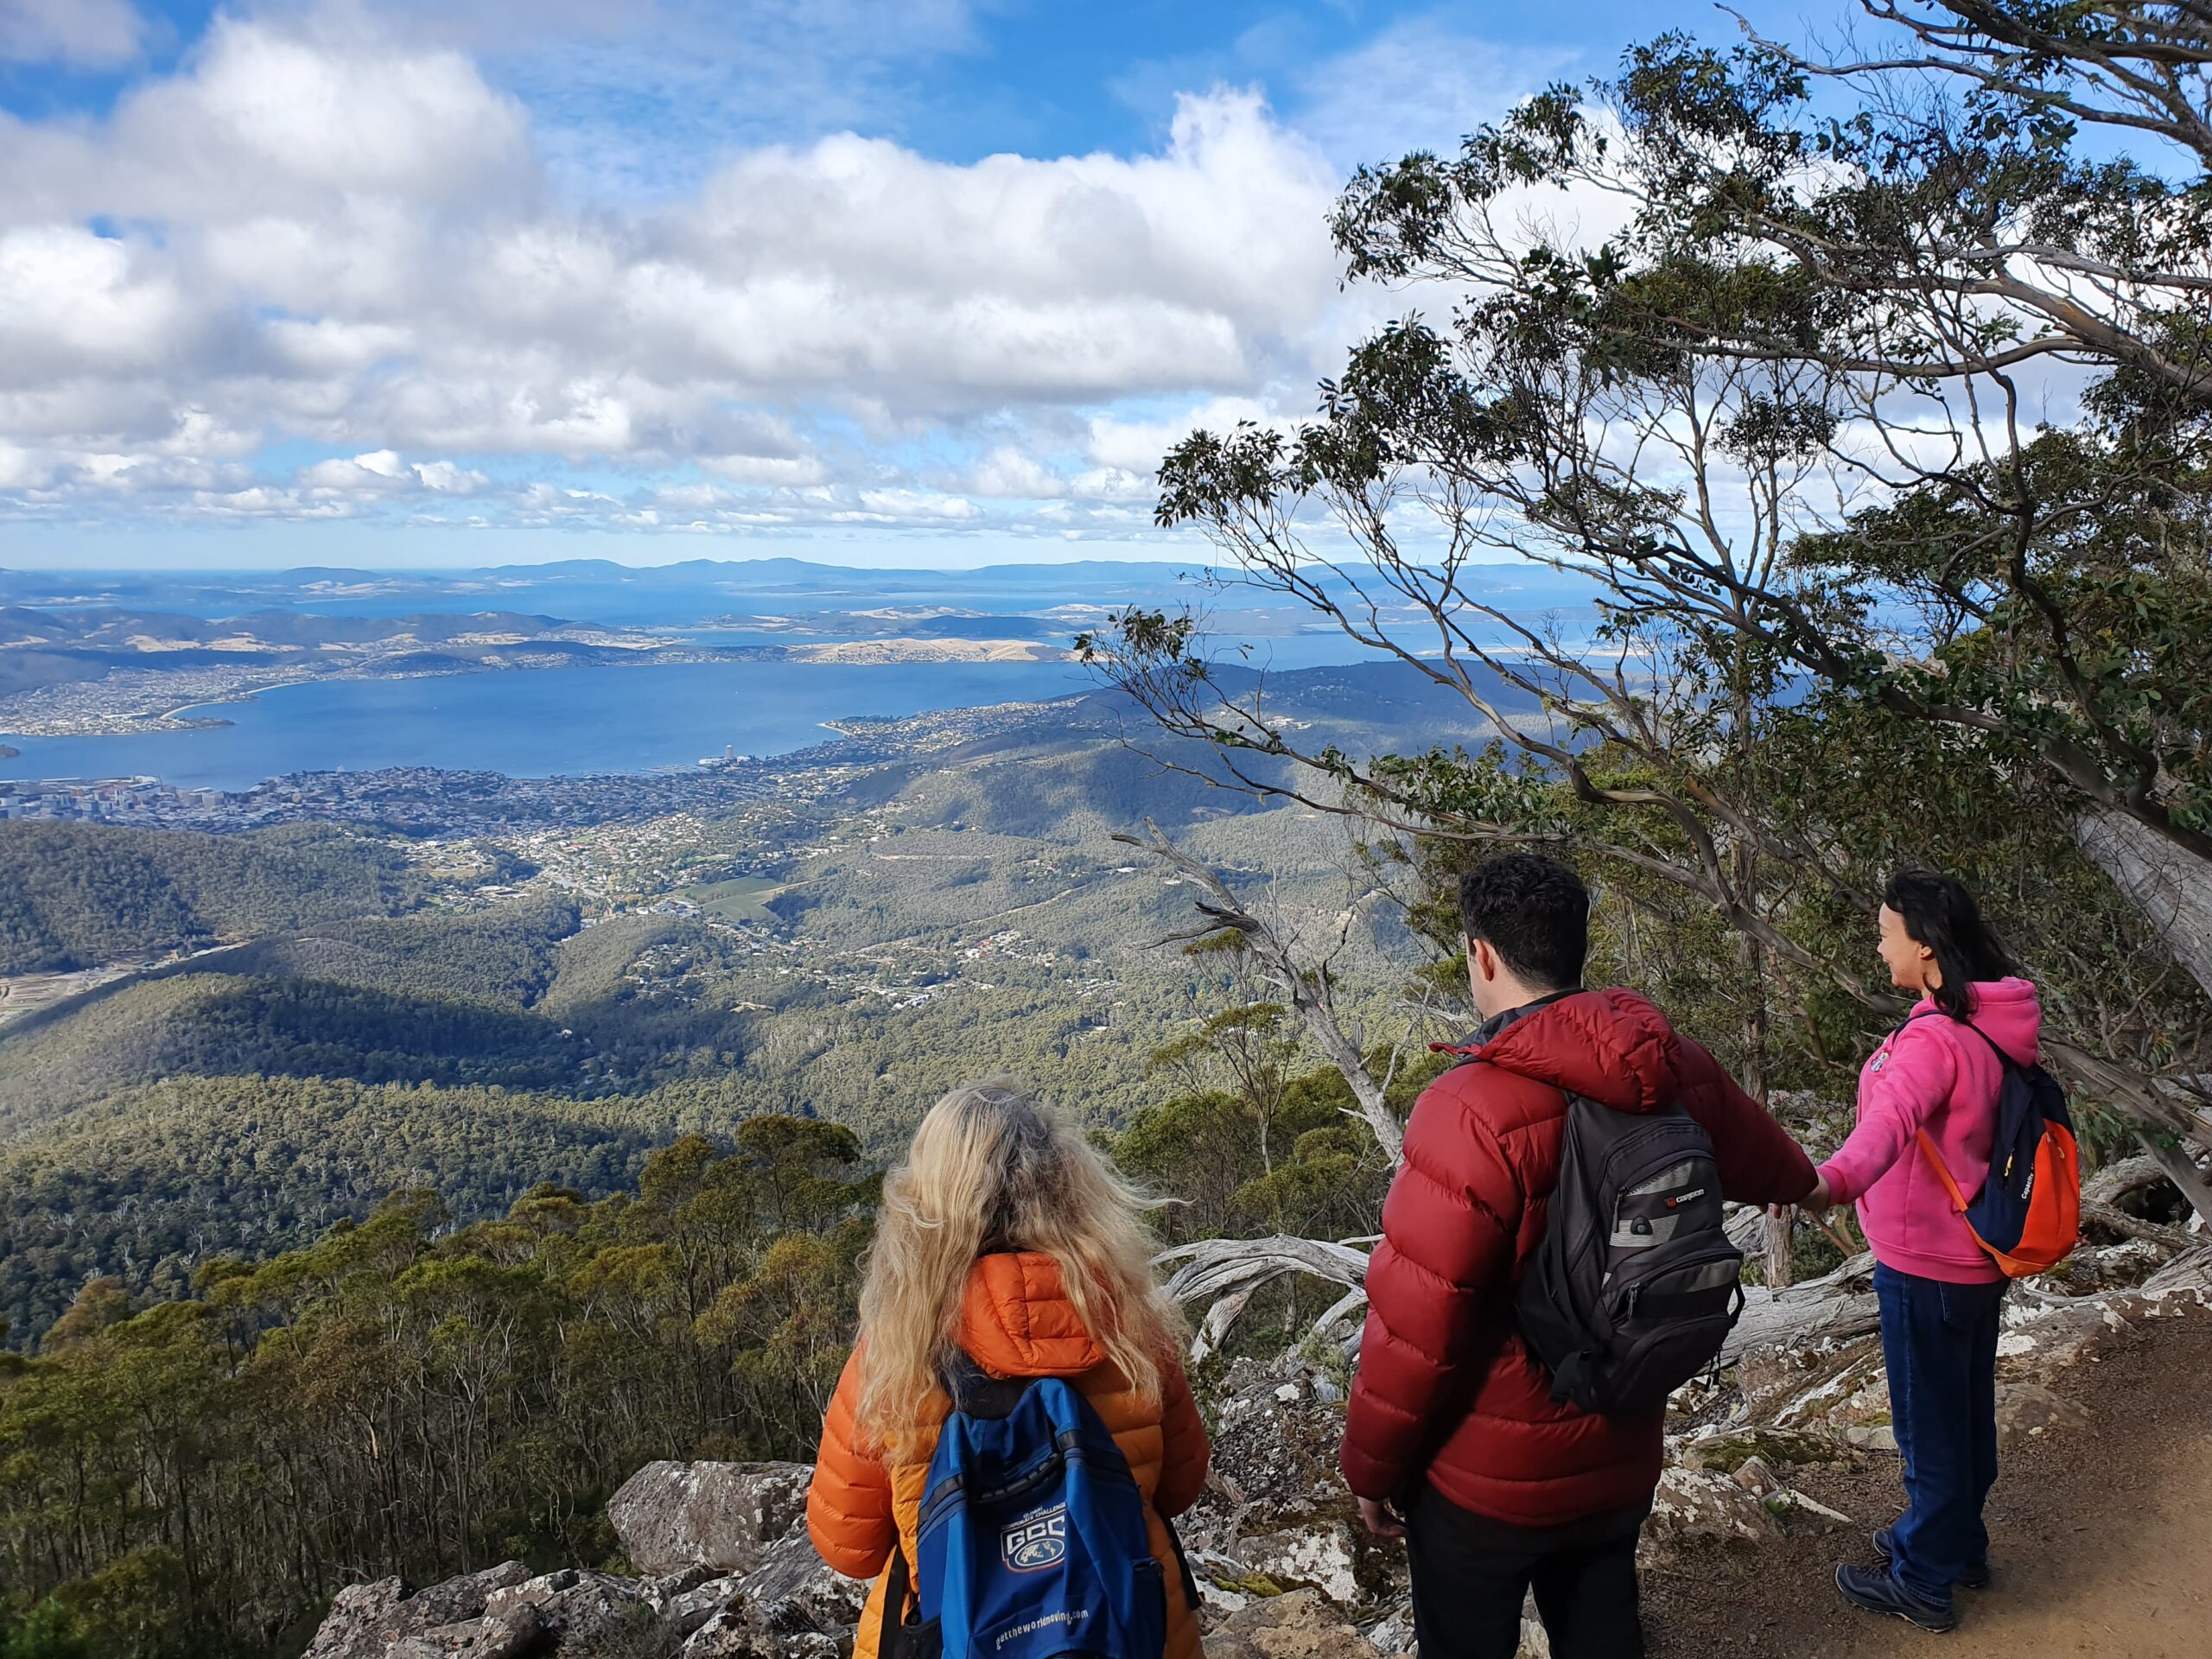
2180, 1169
1212, 1265
1744, 1225
2169, 885
2155, 1166
1834, 1307
2123, 1176
1772, 1321
2118, 1220
1345, 1313
1220, 1319
1229, 1271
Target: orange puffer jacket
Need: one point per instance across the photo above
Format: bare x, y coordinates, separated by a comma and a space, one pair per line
1016, 1321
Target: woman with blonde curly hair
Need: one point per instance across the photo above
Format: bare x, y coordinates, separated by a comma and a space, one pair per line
1006, 1244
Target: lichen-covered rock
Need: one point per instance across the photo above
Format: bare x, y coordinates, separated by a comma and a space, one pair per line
688, 1609
725, 1515
357, 1613
381, 1621
739, 1632
1724, 1452
576, 1610
1851, 1390
795, 1588
1304, 1625
1277, 1504
1322, 1554
1695, 1506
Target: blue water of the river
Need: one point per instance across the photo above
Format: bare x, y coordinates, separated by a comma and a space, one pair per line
560, 722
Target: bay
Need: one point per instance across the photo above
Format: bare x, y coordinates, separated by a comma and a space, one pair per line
538, 722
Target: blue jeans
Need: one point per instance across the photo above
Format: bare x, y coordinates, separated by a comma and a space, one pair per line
1940, 1343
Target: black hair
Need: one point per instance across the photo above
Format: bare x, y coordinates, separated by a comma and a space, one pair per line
1939, 911
1534, 911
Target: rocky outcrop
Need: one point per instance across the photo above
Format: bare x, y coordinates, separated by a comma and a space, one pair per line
726, 1515
383, 1621
1300, 1624
1275, 1515
1284, 1570
789, 1606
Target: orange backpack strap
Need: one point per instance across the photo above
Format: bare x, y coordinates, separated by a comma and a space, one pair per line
1943, 1174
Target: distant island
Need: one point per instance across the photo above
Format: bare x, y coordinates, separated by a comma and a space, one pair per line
7, 754
930, 651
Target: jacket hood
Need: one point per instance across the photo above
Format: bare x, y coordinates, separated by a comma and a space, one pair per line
2006, 1011
1016, 1319
1610, 1046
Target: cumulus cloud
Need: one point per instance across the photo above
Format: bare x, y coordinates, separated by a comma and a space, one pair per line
319, 232
384, 473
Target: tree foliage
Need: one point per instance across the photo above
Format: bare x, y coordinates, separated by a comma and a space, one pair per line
402, 1396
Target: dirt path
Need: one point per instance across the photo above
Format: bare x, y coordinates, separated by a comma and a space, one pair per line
2101, 1539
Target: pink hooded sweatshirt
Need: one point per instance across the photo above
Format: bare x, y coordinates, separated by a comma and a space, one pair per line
1932, 1074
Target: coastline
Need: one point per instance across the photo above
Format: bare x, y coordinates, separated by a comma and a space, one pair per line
75, 721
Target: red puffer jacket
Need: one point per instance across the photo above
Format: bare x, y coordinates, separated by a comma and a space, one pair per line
1446, 1387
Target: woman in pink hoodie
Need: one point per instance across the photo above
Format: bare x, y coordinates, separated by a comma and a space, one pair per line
1940, 1073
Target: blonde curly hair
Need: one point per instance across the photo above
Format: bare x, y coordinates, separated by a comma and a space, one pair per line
990, 1170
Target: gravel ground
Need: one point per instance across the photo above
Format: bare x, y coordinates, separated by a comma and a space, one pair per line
2101, 1538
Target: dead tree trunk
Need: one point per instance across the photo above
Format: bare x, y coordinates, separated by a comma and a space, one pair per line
2168, 884
1310, 990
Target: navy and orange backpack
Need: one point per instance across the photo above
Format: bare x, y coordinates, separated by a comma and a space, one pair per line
2028, 1214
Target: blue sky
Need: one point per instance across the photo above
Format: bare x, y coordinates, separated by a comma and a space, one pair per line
398, 283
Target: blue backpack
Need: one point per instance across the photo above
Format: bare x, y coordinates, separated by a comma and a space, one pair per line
1033, 1541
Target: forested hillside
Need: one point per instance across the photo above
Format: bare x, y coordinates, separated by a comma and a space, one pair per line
478, 1016
78, 895
197, 1478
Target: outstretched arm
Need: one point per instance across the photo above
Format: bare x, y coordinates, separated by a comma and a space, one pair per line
1759, 1161
1895, 1103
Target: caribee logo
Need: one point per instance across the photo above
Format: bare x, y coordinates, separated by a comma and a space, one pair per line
1036, 1541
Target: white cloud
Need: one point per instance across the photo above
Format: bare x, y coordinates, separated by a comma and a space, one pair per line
385, 472
313, 231
83, 33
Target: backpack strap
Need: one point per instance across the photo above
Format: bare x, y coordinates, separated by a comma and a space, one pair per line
1928, 1146
899, 1637
1943, 1173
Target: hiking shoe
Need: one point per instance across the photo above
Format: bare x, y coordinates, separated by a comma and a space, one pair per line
1975, 1578
1877, 1591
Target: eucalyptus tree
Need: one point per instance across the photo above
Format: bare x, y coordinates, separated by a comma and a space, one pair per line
1780, 415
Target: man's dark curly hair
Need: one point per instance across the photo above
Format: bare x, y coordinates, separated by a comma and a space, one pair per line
1535, 913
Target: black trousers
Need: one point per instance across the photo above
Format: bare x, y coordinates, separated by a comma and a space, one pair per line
1471, 1575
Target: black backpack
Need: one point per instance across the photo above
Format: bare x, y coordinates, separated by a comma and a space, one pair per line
1635, 1286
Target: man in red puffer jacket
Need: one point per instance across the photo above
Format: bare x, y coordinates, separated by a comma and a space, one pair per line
1452, 1440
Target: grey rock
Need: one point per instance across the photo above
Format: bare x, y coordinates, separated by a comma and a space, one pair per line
794, 1588
1695, 1506
687, 1610
381, 1621
1756, 1478
459, 1598
1304, 1625
673, 1515
1276, 1504
357, 1614
739, 1632
665, 1589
